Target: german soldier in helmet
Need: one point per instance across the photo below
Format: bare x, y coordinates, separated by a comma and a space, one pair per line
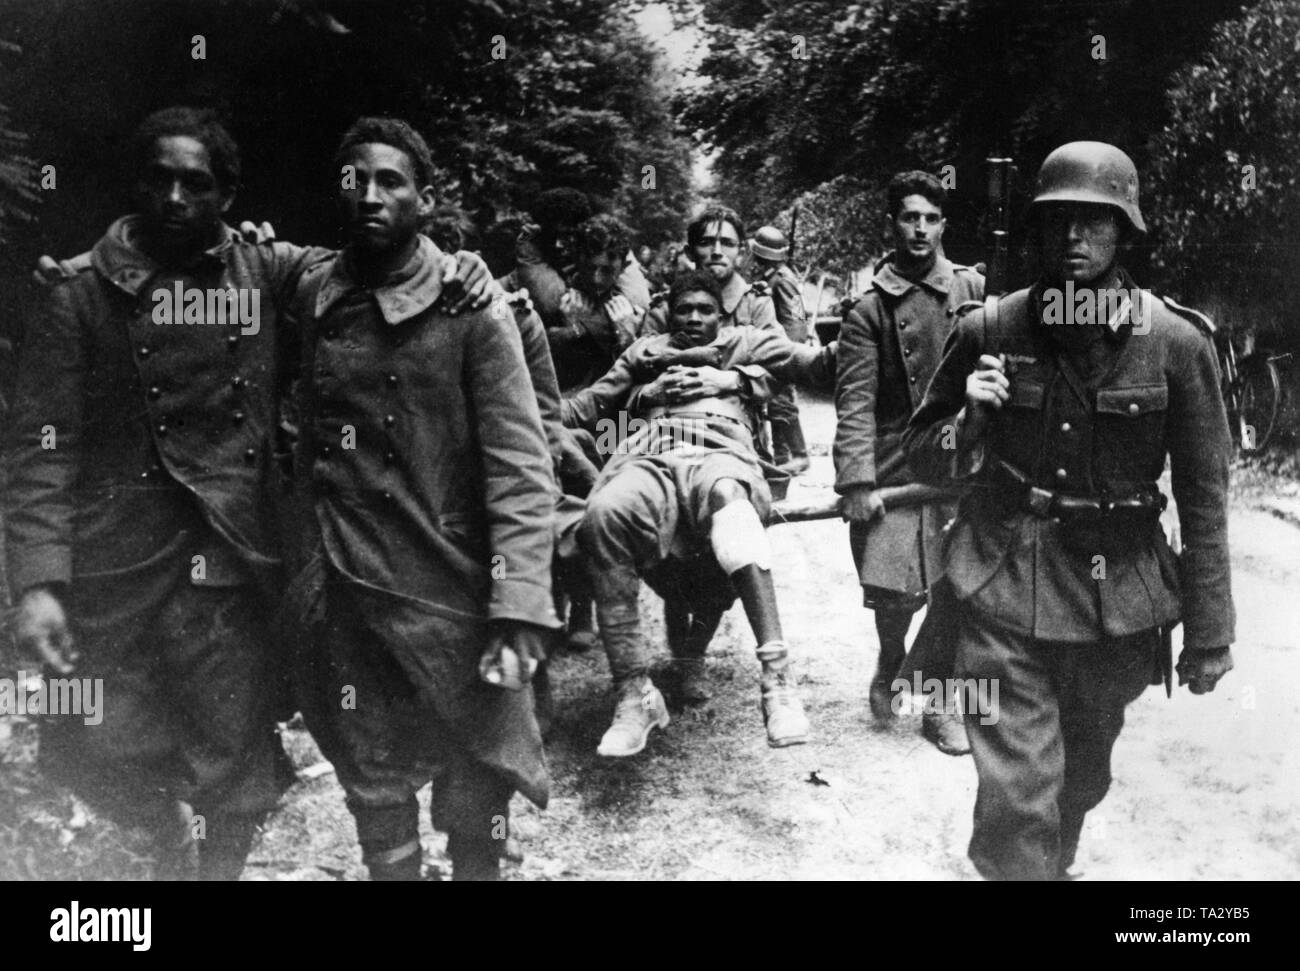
1058, 405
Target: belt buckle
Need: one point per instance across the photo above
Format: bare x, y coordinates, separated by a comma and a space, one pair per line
1040, 501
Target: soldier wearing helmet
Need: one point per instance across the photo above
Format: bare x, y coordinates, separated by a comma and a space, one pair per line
770, 253
1057, 406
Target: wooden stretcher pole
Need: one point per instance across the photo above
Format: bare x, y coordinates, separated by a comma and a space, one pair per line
827, 506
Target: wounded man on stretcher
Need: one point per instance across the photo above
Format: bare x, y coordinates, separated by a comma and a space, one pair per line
682, 502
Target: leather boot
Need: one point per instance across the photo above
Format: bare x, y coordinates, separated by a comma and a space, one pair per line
783, 714
945, 731
225, 848
404, 870
689, 632
789, 451
176, 851
581, 632
474, 859
543, 700
891, 628
640, 709
693, 685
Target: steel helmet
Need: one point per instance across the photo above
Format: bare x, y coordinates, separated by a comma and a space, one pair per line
1091, 172
769, 244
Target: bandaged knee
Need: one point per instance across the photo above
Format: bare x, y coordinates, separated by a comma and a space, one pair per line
739, 539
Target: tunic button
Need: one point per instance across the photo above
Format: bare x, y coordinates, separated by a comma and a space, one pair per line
902, 325
1065, 426
145, 350
325, 451
390, 421
155, 392
1061, 474
237, 417
250, 455
390, 458
236, 382
388, 496
1133, 408
329, 333
162, 429
232, 341
907, 352
392, 380
913, 379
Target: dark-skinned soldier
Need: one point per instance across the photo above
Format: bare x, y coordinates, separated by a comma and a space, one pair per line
686, 486
1058, 405
427, 511
142, 534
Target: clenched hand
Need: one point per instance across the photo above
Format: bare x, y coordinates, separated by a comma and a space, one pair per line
514, 650
41, 630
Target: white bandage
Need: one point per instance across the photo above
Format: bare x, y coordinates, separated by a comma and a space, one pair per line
738, 538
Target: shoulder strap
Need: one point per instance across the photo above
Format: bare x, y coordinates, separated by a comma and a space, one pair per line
309, 285
1198, 319
992, 312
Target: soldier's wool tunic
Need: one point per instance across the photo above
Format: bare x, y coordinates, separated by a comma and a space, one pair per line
428, 501
1142, 397
142, 481
783, 410
1065, 613
889, 347
787, 300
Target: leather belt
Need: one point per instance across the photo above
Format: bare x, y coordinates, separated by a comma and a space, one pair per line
1048, 504
726, 409
1055, 505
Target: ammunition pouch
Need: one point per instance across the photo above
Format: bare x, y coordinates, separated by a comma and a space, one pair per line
1113, 527
1110, 525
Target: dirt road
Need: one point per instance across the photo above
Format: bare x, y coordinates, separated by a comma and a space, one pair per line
1205, 787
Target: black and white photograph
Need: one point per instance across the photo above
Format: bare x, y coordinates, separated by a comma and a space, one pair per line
651, 440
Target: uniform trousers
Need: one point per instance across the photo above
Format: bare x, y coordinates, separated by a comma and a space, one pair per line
640, 508
1043, 757
391, 694
188, 673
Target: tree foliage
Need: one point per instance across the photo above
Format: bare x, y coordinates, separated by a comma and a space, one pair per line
1227, 164
18, 171
897, 84
514, 96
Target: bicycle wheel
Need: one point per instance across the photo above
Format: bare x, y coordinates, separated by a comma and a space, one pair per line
1259, 396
